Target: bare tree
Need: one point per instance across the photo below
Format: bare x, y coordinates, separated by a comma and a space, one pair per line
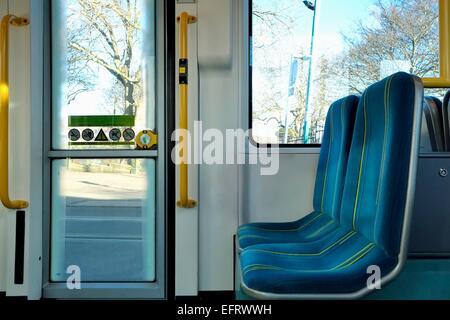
272, 105
273, 23
268, 107
405, 31
103, 34
401, 34
297, 113
322, 99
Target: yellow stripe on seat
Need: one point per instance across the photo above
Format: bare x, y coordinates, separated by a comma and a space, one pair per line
338, 242
347, 263
318, 231
387, 96
328, 159
369, 247
362, 255
284, 230
341, 150
249, 236
361, 162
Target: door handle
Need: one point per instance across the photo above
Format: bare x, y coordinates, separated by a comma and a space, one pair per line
184, 20
4, 111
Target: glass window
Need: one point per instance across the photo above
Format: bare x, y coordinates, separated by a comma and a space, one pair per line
307, 54
103, 72
103, 215
103, 220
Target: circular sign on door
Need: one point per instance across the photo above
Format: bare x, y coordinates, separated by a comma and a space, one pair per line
115, 135
146, 139
88, 135
74, 135
128, 135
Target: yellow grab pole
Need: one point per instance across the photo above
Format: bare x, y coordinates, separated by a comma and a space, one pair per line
4, 112
444, 29
444, 52
184, 19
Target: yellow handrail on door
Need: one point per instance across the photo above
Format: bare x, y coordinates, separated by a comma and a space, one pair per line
444, 52
184, 19
4, 112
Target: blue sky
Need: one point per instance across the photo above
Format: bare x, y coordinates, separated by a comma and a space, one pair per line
337, 16
334, 17
275, 46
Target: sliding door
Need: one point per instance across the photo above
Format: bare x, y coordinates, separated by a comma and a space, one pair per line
106, 152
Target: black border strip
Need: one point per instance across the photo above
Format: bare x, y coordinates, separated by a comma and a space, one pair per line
170, 127
20, 248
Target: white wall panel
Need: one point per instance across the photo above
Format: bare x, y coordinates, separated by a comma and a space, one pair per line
215, 28
219, 187
286, 196
25, 150
187, 230
20, 133
230, 195
219, 109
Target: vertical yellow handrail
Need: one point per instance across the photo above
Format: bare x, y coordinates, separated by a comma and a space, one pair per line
444, 49
4, 112
184, 19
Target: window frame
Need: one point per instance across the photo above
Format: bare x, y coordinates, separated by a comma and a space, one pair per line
163, 287
442, 82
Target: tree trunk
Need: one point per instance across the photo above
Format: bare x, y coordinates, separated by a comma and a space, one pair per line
130, 103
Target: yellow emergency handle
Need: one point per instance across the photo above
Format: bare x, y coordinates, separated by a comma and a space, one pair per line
184, 20
4, 111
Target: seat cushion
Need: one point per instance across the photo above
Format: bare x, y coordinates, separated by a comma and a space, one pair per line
377, 198
387, 129
310, 228
328, 187
432, 139
446, 120
337, 264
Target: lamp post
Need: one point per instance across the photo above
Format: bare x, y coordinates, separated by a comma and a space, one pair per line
293, 74
291, 92
313, 7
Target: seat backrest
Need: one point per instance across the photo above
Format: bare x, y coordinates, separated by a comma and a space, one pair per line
385, 144
432, 133
446, 120
333, 159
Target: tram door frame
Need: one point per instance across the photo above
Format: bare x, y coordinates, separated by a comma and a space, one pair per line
163, 287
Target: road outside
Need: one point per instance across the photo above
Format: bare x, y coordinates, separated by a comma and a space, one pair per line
106, 229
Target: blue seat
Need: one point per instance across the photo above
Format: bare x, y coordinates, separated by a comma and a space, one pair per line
446, 120
328, 189
432, 133
375, 213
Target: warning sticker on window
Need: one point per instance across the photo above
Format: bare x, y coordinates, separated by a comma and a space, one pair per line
101, 130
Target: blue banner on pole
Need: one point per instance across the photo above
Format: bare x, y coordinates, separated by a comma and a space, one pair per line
293, 77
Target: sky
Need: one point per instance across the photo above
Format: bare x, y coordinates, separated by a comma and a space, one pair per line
336, 16
333, 19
